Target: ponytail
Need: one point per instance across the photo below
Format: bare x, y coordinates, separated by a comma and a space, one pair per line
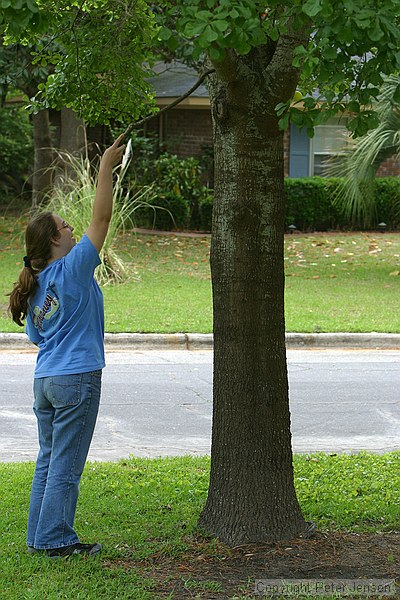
19, 297
38, 237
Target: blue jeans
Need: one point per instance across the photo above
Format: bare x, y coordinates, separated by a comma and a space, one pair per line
66, 408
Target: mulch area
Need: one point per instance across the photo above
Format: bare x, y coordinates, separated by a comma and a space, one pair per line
335, 555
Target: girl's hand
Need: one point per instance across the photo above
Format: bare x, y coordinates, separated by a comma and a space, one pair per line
112, 156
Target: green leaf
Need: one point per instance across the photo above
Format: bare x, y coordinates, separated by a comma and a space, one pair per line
350, 6
273, 33
300, 51
376, 34
245, 11
243, 48
281, 108
284, 122
193, 29
221, 25
164, 33
216, 53
210, 35
330, 53
353, 106
297, 117
32, 6
173, 43
312, 7
204, 15
309, 103
346, 34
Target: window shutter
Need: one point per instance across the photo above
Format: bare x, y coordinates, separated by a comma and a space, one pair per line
299, 153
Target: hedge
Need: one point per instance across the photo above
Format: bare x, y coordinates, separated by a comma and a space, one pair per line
309, 204
387, 195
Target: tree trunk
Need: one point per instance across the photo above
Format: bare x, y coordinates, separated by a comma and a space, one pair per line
71, 146
72, 135
251, 497
43, 157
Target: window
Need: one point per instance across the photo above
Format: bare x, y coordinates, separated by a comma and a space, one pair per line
308, 156
329, 139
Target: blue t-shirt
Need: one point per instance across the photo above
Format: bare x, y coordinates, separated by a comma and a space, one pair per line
66, 316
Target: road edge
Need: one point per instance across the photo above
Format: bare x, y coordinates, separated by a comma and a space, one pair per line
204, 341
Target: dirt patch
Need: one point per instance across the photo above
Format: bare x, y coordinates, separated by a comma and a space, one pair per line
216, 572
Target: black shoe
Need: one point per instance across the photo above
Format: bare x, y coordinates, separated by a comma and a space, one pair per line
78, 548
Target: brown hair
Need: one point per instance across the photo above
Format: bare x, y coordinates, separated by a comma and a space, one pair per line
38, 235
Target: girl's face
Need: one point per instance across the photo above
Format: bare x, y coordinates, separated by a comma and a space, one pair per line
66, 241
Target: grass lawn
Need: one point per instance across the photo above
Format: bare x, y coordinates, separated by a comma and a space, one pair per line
334, 282
144, 512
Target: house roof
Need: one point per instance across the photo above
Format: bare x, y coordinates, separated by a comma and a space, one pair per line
175, 79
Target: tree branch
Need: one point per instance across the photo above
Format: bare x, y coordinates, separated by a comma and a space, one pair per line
169, 106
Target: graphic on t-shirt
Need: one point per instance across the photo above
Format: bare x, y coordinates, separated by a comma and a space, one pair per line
50, 306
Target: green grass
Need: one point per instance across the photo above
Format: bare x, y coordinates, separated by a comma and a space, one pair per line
145, 510
343, 282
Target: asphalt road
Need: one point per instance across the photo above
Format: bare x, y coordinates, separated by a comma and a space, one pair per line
159, 403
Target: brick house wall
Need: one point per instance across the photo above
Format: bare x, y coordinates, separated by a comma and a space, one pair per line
187, 131
286, 145
389, 168
183, 132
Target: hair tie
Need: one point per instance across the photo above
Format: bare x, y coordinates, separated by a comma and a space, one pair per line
27, 262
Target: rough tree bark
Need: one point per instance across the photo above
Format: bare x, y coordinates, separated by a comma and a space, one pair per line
43, 157
72, 134
71, 143
251, 496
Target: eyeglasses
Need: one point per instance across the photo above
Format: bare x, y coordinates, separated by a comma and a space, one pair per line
65, 226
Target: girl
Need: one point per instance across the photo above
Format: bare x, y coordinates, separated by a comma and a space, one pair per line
62, 304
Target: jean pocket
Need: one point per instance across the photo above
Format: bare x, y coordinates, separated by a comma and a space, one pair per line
64, 390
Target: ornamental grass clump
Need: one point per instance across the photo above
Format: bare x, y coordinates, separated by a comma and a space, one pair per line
72, 198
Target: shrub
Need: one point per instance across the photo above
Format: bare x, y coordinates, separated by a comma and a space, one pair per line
177, 183
387, 198
205, 209
165, 211
309, 203
16, 150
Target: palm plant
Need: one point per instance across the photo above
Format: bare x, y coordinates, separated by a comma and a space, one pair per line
72, 198
359, 163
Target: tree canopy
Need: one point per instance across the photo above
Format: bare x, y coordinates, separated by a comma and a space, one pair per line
102, 51
97, 52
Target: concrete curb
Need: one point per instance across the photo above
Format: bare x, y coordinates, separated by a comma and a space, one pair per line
204, 341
